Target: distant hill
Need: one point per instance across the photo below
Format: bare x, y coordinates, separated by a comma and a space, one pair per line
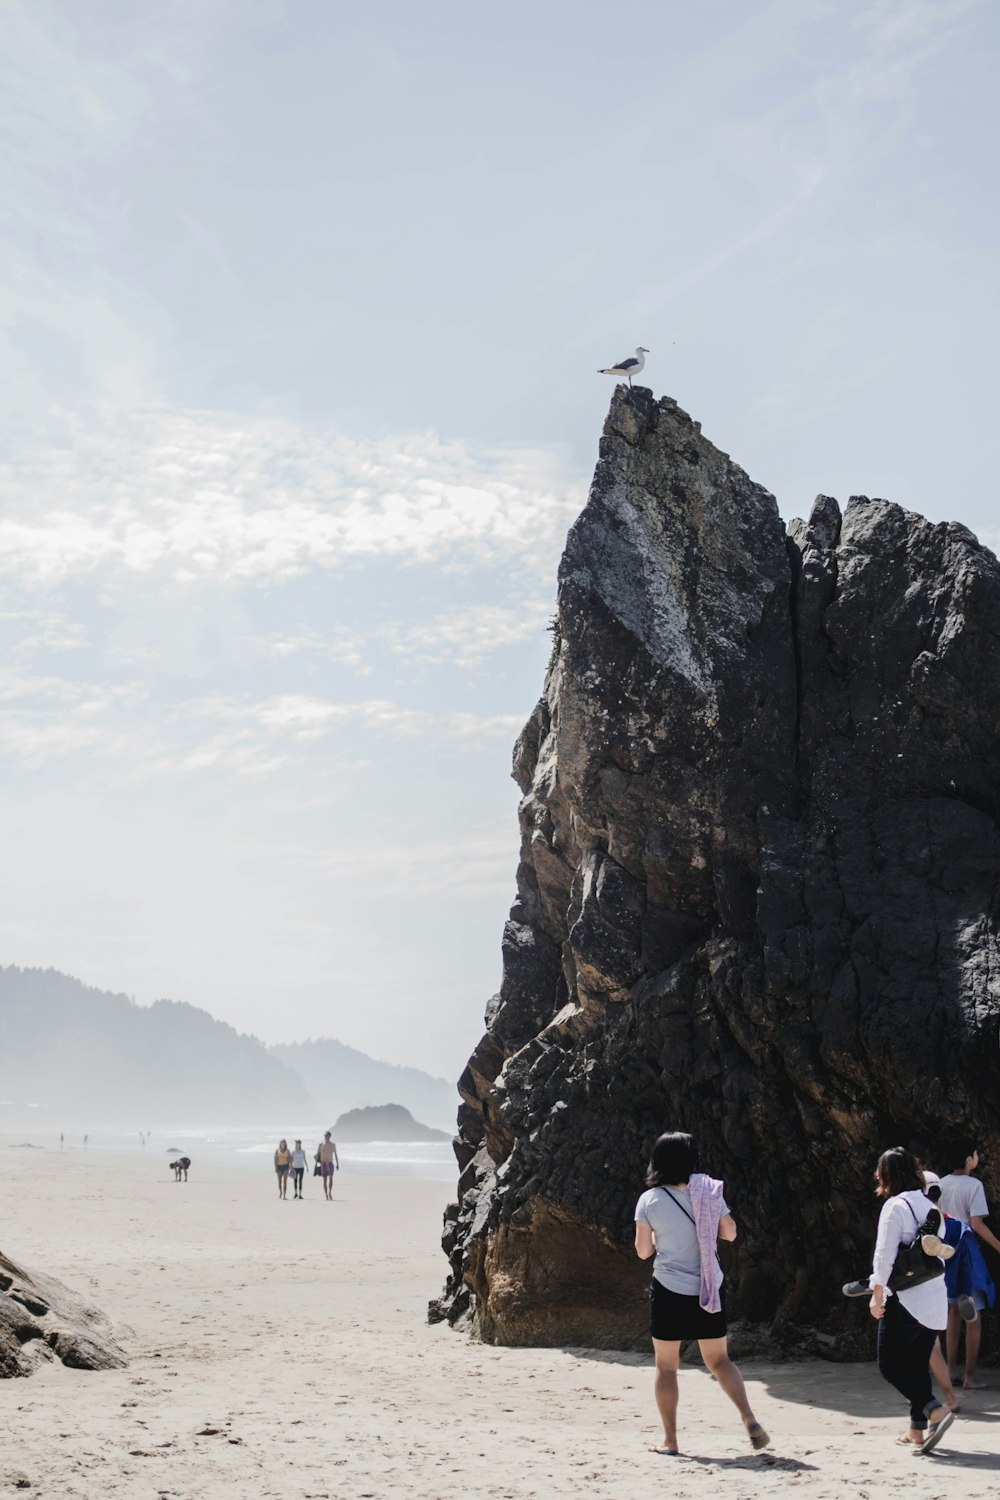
86, 1056
384, 1122
339, 1078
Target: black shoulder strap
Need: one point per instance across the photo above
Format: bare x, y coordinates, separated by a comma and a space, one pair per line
680, 1205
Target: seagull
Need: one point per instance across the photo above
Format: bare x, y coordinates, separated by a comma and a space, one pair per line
627, 367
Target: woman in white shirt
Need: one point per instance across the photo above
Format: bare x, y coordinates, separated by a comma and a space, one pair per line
298, 1169
909, 1321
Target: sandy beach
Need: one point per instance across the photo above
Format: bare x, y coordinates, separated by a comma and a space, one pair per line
281, 1350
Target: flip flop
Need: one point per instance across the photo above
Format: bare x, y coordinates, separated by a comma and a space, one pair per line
666, 1452
935, 1433
758, 1437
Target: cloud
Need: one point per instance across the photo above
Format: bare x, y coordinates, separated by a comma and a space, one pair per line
51, 719
466, 636
195, 496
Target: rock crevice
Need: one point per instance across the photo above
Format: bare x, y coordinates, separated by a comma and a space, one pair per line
757, 893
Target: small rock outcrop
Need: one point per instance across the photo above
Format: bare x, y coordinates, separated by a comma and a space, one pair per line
384, 1122
758, 896
40, 1319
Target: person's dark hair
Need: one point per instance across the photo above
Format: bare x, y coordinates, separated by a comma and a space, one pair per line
897, 1171
672, 1159
959, 1151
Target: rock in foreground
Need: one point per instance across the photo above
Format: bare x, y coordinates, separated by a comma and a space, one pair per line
757, 898
40, 1319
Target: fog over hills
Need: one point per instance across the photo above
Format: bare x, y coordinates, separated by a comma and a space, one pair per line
70, 1054
351, 1080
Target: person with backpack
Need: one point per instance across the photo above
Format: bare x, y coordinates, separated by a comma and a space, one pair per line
678, 1221
909, 1320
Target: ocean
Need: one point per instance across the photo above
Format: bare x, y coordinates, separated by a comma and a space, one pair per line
246, 1148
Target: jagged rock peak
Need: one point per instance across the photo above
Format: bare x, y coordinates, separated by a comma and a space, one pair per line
757, 894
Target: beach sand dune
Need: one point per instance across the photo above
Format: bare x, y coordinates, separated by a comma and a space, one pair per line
280, 1350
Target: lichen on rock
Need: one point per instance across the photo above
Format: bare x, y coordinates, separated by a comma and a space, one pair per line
756, 900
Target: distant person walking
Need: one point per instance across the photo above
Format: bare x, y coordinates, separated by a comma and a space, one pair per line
909, 1321
678, 1220
326, 1155
282, 1162
298, 1169
963, 1197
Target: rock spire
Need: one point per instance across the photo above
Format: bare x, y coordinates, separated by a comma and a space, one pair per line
757, 896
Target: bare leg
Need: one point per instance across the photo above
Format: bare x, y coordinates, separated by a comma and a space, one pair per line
973, 1338
715, 1353
942, 1377
668, 1357
951, 1336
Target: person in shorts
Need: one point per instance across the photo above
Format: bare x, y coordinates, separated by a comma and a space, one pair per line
326, 1155
282, 1162
963, 1197
678, 1221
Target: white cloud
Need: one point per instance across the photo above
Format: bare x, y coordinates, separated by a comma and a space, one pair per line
51, 719
466, 636
197, 496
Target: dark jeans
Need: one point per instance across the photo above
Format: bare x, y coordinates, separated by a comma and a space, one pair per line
297, 1175
904, 1354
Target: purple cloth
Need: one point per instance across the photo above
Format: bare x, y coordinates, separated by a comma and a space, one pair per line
706, 1205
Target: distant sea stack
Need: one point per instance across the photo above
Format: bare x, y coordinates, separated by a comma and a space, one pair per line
348, 1079
384, 1122
757, 897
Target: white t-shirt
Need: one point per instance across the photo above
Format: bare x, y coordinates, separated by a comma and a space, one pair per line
299, 1160
963, 1197
897, 1225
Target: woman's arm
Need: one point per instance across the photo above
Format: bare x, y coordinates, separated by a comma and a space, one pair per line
644, 1246
727, 1227
887, 1242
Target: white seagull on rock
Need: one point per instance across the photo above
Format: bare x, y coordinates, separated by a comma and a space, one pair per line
628, 367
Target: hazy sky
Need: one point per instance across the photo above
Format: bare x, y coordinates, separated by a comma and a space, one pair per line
301, 309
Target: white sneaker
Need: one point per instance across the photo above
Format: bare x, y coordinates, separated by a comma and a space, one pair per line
931, 1244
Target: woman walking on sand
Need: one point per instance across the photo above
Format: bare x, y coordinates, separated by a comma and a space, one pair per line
298, 1169
908, 1321
678, 1220
282, 1162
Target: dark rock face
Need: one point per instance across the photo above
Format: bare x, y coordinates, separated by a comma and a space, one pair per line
757, 898
40, 1319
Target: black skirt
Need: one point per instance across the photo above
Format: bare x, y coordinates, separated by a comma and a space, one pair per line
673, 1316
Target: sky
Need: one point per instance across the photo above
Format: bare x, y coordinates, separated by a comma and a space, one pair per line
301, 308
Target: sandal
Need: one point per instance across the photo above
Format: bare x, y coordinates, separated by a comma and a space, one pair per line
935, 1431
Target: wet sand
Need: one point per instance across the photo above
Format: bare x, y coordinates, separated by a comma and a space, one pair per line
281, 1350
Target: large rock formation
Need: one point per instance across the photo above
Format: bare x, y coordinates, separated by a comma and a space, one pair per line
40, 1319
757, 898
